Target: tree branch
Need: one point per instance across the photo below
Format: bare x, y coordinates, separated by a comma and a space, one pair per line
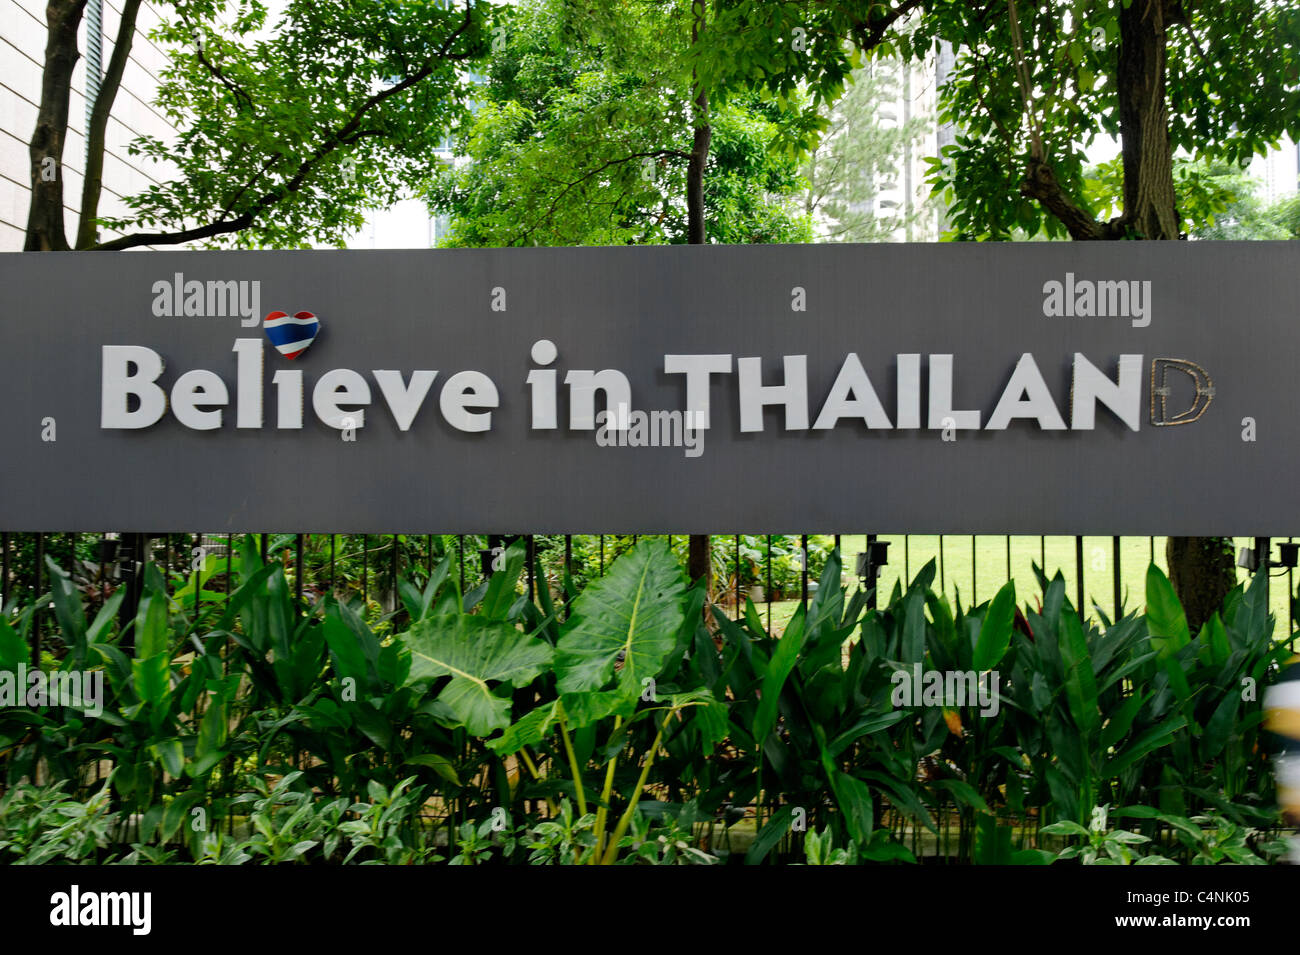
573, 184
1022, 73
343, 135
1040, 183
236, 90
93, 185
868, 33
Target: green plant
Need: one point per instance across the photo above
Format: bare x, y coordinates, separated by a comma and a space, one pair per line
614, 726
607, 658
286, 822
1213, 839
819, 849
42, 825
562, 840
1103, 846
387, 829
668, 843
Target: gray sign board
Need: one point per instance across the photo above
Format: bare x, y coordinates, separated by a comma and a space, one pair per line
1057, 388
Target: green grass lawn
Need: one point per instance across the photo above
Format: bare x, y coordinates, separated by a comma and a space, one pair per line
976, 575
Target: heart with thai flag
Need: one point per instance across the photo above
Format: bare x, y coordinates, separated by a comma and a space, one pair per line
291, 334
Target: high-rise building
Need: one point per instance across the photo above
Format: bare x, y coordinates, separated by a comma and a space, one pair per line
22, 53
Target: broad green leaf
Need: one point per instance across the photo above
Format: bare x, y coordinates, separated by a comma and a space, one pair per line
634, 611
1145, 742
773, 831
787, 653
1166, 621
1219, 726
439, 764
854, 798
500, 596
171, 754
528, 730
13, 648
476, 653
177, 813
995, 632
67, 609
1080, 682
151, 677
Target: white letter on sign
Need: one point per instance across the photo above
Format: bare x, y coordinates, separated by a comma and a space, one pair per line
342, 386
792, 394
697, 369
199, 389
468, 389
118, 382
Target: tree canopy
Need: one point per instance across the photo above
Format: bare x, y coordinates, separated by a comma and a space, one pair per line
583, 132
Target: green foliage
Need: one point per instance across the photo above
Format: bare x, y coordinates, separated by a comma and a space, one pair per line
1224, 114
43, 825
619, 728
290, 129
583, 133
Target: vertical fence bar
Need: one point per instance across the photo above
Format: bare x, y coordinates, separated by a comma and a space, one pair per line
1153, 549
103, 559
1115, 558
907, 559
1078, 570
396, 569
460, 550
333, 543
365, 571
738, 614
297, 566
943, 584
36, 611
803, 543
265, 544
230, 564
870, 581
974, 574
1290, 592
602, 555
1008, 556
531, 551
1042, 554
4, 569
768, 593
196, 551
568, 572
428, 554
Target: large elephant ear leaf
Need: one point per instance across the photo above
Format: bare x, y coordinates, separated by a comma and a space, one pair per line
478, 654
634, 610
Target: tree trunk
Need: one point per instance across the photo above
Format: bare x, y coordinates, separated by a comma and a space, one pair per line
1150, 203
87, 233
695, 230
699, 562
45, 228
1198, 569
1201, 569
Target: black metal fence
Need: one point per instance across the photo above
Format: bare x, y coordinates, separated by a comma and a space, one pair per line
1103, 574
